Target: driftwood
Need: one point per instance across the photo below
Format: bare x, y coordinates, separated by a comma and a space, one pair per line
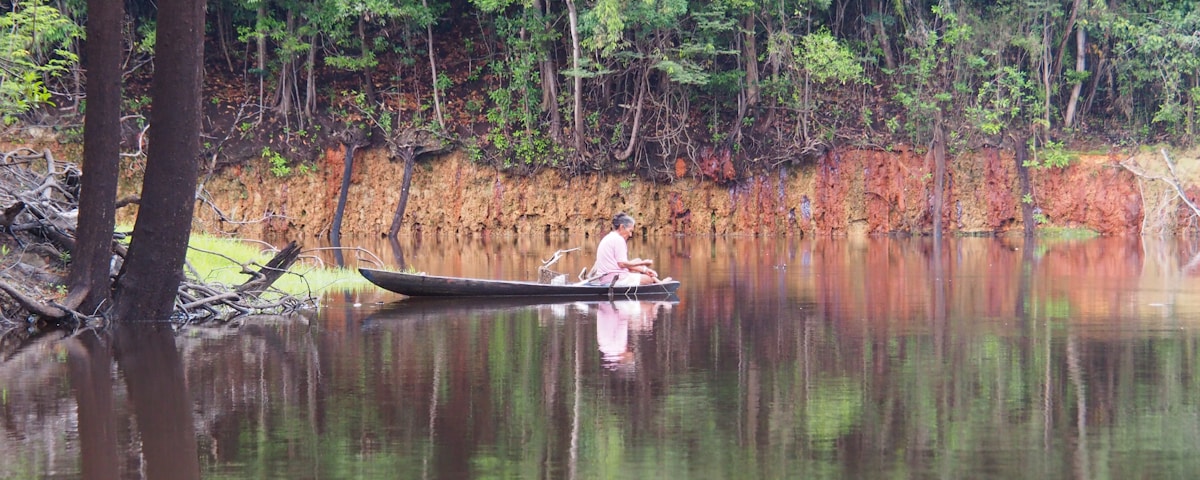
39, 197
1170, 178
275, 268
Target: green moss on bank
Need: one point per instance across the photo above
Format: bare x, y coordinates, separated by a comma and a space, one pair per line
218, 260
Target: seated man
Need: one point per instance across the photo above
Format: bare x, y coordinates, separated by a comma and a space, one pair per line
612, 258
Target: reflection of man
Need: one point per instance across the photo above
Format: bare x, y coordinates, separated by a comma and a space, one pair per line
614, 320
612, 335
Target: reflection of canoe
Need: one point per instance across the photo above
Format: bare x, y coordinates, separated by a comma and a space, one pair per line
423, 307
416, 285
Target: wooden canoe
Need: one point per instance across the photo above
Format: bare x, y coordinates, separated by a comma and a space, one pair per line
419, 285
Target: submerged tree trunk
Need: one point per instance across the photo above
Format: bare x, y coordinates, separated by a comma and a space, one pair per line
397, 219
151, 274
335, 232
90, 287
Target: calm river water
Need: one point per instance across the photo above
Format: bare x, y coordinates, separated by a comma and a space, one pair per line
780, 358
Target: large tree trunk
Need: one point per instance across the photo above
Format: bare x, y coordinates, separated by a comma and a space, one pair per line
89, 277
151, 274
397, 219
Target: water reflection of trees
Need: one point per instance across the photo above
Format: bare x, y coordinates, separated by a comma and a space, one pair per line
830, 365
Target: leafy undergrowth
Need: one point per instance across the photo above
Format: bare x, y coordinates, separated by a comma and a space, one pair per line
219, 260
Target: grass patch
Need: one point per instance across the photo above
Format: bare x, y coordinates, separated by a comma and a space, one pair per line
222, 266
1063, 233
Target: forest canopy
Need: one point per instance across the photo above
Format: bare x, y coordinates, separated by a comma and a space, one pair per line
642, 85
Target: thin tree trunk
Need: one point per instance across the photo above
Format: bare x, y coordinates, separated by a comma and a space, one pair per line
1080, 66
1062, 46
1022, 155
637, 120
578, 86
262, 58
310, 90
398, 218
437, 98
1046, 69
939, 175
885, 44
223, 36
154, 267
549, 79
287, 81
89, 278
368, 84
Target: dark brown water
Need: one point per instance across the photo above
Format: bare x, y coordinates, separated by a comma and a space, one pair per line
829, 358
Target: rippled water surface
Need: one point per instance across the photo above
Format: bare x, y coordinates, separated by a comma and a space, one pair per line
780, 358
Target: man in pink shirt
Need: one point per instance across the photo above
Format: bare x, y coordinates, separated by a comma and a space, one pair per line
612, 258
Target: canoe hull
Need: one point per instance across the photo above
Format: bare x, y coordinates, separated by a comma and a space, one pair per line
415, 285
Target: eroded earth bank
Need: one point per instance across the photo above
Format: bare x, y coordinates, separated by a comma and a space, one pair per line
849, 191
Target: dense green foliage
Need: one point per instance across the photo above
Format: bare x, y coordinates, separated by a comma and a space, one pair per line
664, 79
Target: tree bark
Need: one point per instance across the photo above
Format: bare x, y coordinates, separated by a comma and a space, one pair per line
89, 277
151, 274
